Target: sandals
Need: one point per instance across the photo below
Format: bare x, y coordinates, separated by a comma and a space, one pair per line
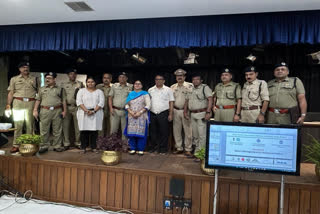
132, 152
140, 153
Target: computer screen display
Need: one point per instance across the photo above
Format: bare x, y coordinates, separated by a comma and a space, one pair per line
253, 147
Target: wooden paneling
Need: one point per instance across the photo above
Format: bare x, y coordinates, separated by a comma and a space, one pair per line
243, 198
111, 188
143, 192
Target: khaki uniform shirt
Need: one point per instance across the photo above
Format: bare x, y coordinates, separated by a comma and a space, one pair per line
70, 88
106, 91
120, 94
227, 94
198, 98
250, 93
51, 96
180, 93
22, 87
284, 94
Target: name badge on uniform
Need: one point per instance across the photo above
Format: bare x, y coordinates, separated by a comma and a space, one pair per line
26, 99
51, 108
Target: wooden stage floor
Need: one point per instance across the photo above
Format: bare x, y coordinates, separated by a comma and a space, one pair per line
139, 183
173, 164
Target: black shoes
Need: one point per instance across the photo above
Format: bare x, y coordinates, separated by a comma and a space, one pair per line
61, 149
43, 150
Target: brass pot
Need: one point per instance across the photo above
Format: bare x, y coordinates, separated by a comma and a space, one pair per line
317, 170
111, 157
205, 170
28, 149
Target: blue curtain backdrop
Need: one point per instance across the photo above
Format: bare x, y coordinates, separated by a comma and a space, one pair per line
204, 31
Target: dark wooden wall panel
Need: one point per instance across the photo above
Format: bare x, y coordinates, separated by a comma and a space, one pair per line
143, 192
273, 200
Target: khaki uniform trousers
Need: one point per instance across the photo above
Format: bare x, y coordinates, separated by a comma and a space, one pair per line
274, 118
22, 113
118, 119
224, 115
199, 130
180, 122
249, 116
105, 124
71, 116
48, 117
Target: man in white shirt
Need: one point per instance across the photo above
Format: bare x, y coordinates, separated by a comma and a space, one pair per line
161, 114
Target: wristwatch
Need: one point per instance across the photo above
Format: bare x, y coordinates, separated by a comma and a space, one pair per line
237, 114
303, 114
262, 113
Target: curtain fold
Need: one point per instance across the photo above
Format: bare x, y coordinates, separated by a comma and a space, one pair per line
202, 31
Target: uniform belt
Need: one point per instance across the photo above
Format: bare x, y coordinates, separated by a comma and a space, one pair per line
250, 108
199, 110
51, 107
71, 105
225, 107
25, 99
118, 108
178, 108
279, 110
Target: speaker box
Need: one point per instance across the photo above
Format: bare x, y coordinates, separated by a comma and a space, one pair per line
3, 139
177, 187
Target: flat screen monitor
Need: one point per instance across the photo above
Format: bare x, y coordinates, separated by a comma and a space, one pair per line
253, 147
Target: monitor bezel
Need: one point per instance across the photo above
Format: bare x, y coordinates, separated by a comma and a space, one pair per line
292, 126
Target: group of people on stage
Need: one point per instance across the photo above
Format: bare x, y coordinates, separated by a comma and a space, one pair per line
104, 108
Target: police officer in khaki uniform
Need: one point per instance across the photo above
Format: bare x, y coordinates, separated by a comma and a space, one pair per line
180, 91
22, 92
285, 93
105, 87
53, 108
199, 103
227, 99
255, 98
117, 99
71, 87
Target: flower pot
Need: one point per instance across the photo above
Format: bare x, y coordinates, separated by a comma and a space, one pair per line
111, 157
317, 170
28, 149
205, 170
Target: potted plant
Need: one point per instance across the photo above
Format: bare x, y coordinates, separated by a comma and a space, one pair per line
112, 146
201, 154
312, 152
29, 144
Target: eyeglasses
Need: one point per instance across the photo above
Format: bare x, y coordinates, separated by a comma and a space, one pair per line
159, 79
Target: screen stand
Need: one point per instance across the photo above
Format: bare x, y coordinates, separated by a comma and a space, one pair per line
215, 191
281, 195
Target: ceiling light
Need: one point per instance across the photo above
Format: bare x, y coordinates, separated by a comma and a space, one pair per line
191, 59
139, 58
251, 58
315, 56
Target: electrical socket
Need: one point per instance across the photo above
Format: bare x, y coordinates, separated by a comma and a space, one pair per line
181, 203
167, 203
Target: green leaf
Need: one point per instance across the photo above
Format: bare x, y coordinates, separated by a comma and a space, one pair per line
312, 151
29, 139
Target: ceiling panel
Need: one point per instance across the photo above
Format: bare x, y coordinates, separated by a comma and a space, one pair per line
50, 11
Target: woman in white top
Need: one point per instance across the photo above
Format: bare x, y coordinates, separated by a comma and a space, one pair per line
90, 114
